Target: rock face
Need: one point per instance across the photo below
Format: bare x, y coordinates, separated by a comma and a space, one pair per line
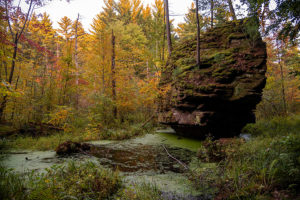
219, 96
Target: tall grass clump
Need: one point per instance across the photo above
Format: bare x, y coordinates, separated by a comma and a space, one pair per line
12, 186
262, 166
73, 181
278, 126
140, 191
266, 167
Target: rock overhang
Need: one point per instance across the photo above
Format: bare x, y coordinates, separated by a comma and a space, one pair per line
219, 96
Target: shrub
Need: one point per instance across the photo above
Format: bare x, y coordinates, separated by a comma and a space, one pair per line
274, 127
218, 150
74, 181
11, 185
263, 165
267, 166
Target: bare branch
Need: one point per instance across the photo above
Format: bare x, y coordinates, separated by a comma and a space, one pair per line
26, 19
32, 10
181, 163
19, 5
8, 20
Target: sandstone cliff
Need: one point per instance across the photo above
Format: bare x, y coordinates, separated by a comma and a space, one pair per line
219, 96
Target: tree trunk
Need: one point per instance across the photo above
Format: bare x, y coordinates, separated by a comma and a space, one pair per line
103, 64
263, 17
76, 62
164, 37
282, 81
14, 106
15, 37
212, 13
231, 9
198, 33
2, 107
44, 74
13, 64
168, 29
113, 73
283, 89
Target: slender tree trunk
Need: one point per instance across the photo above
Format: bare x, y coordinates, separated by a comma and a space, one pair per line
231, 9
113, 73
168, 29
66, 86
14, 107
15, 37
50, 87
2, 107
5, 65
282, 81
44, 74
13, 64
103, 64
198, 33
283, 89
263, 17
164, 37
76, 62
212, 13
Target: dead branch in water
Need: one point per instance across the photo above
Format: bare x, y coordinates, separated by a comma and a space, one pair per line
181, 163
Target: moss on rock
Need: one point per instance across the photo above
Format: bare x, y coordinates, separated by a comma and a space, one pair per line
231, 74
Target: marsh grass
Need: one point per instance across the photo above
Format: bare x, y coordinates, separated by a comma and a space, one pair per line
266, 167
278, 126
73, 181
140, 191
50, 142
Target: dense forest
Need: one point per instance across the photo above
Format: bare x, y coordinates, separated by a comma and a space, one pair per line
71, 84
67, 78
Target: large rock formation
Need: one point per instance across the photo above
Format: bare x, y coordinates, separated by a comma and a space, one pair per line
219, 96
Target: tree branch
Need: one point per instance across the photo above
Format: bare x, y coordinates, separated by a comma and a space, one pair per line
26, 19
181, 163
8, 21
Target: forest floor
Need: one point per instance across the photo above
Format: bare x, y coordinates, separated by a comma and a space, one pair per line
265, 167
50, 141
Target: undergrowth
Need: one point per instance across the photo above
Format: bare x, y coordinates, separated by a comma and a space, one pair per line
266, 167
52, 141
140, 191
73, 181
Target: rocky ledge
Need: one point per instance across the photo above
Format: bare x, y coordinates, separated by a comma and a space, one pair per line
219, 96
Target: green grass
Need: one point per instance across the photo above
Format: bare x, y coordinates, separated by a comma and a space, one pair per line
140, 191
278, 126
51, 142
73, 181
266, 167
263, 165
5, 128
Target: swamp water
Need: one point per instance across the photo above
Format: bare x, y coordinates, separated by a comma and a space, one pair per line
159, 159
